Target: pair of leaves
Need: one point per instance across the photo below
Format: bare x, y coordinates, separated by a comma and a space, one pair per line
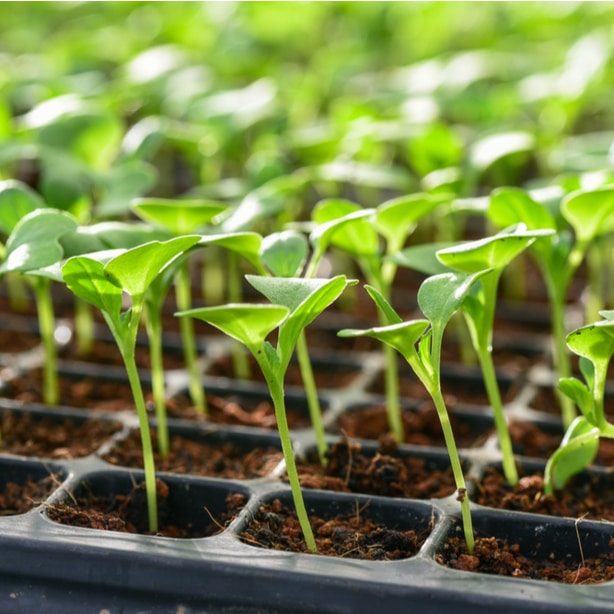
294, 303
100, 278
594, 343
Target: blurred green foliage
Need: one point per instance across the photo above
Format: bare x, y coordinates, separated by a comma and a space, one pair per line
229, 95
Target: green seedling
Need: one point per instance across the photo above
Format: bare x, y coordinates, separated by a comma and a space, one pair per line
594, 343
245, 243
33, 247
99, 237
439, 297
180, 218
358, 231
16, 201
285, 254
590, 214
294, 303
102, 279
492, 255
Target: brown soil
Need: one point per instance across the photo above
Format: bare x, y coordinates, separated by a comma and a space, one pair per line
588, 495
530, 439
331, 375
497, 557
421, 426
386, 473
21, 498
27, 435
354, 535
223, 459
128, 514
84, 392
236, 411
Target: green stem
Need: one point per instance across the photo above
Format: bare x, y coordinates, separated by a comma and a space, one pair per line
154, 335
560, 356
46, 323
147, 447
184, 303
457, 468
311, 392
277, 394
433, 386
503, 433
84, 327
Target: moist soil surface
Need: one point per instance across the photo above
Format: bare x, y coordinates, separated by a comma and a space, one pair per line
20, 498
386, 472
27, 435
589, 495
127, 513
354, 535
497, 557
421, 426
223, 459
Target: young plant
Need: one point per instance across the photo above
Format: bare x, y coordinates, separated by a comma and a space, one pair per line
31, 249
285, 254
181, 217
594, 343
354, 230
439, 297
102, 279
294, 303
490, 256
245, 243
589, 215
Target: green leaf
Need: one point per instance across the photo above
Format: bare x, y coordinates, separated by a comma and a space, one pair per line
346, 226
249, 324
383, 305
590, 213
593, 341
396, 219
35, 240
402, 336
440, 296
486, 151
246, 244
284, 253
179, 216
135, 269
580, 394
509, 206
576, 452
85, 276
125, 235
265, 201
121, 184
492, 252
16, 201
305, 298
422, 258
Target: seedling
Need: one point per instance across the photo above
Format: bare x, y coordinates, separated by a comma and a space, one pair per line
101, 279
245, 243
294, 303
439, 297
31, 249
490, 255
179, 218
285, 254
594, 343
16, 201
590, 214
357, 231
